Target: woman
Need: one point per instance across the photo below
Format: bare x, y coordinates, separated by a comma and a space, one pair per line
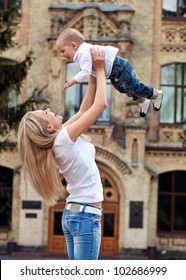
44, 143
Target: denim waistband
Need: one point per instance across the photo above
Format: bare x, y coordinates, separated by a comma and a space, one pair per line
83, 207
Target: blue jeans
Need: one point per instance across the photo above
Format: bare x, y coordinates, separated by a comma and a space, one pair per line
125, 80
83, 234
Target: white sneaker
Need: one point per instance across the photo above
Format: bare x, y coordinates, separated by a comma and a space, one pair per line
157, 101
144, 106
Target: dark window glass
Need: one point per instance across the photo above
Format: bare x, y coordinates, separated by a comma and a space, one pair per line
57, 223
108, 227
165, 182
180, 182
6, 179
6, 4
180, 213
164, 213
172, 202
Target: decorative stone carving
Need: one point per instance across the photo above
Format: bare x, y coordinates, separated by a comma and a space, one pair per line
171, 136
124, 27
56, 25
132, 115
173, 37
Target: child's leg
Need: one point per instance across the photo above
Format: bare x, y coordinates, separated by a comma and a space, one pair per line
157, 99
125, 80
144, 104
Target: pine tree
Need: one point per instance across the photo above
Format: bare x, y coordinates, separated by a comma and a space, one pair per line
12, 74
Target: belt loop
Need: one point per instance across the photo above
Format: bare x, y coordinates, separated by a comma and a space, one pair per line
83, 209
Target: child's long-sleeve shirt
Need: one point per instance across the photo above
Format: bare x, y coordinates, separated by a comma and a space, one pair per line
84, 59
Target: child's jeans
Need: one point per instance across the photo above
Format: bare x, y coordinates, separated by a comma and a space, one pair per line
125, 80
83, 234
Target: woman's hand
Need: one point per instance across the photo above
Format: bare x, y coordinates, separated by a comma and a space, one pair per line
98, 58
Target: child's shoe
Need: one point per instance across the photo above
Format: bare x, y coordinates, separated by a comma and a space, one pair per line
157, 99
144, 106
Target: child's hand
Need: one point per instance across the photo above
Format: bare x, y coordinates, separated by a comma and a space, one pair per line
66, 85
70, 84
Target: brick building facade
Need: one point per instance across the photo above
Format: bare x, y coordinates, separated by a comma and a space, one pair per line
142, 161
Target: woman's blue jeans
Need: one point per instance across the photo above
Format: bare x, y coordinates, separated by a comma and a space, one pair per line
83, 234
125, 80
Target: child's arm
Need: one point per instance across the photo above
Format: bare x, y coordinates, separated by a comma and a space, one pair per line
85, 64
70, 83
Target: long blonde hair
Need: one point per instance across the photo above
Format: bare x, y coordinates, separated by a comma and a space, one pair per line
35, 149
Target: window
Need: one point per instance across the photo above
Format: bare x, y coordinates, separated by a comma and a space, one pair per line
6, 179
6, 4
174, 9
11, 99
75, 94
172, 203
173, 85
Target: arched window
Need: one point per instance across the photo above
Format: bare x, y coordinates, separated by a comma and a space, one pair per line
6, 179
172, 203
74, 95
174, 9
173, 84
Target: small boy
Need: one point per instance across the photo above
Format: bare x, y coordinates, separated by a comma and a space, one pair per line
71, 45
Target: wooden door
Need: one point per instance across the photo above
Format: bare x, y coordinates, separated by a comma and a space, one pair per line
56, 238
110, 218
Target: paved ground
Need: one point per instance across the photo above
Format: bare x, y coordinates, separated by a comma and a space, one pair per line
45, 256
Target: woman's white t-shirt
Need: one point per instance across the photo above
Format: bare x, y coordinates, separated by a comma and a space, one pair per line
76, 161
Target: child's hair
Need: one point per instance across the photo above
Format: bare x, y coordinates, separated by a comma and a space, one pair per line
69, 35
36, 152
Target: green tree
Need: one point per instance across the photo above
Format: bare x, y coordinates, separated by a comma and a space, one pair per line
12, 74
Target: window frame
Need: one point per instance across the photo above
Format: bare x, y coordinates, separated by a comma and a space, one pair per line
176, 88
80, 95
172, 194
177, 16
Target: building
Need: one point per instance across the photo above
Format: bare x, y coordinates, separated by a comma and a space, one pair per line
142, 161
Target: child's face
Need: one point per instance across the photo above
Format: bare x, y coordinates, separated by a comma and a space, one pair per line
67, 50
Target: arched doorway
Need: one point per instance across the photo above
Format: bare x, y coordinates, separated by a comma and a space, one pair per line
110, 218
110, 221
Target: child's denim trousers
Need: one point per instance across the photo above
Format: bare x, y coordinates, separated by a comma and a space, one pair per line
125, 80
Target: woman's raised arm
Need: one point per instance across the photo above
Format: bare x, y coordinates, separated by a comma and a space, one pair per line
89, 116
86, 102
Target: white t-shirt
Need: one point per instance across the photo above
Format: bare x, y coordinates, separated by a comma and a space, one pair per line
76, 161
84, 59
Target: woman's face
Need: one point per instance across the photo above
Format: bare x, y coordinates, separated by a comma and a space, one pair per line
54, 122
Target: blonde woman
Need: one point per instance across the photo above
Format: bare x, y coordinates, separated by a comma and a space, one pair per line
44, 143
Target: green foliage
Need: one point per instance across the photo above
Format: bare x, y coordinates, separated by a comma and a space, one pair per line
12, 74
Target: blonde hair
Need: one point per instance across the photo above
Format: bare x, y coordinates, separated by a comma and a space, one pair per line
69, 35
36, 152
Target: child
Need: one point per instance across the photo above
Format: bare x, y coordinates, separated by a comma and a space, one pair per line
72, 46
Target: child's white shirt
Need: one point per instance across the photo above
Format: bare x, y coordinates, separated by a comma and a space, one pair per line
84, 59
